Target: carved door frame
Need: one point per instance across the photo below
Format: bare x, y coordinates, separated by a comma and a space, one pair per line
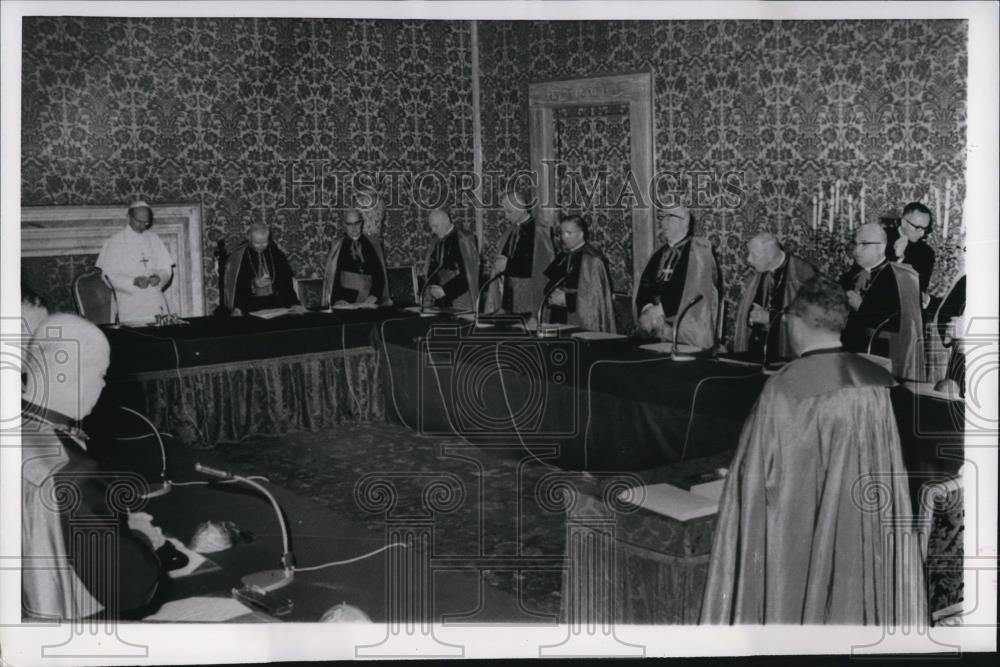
634, 88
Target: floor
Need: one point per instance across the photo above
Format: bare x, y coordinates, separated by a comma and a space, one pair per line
490, 501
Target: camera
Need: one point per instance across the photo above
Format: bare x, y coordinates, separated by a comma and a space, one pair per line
498, 384
58, 370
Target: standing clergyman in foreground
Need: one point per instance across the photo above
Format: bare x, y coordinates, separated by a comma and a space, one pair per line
813, 516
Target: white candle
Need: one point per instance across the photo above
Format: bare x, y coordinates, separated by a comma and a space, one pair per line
850, 212
833, 196
819, 211
814, 212
947, 206
937, 205
861, 220
836, 197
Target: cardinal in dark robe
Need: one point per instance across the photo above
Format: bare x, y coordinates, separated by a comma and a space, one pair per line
884, 297
258, 276
907, 244
452, 265
760, 328
683, 269
355, 268
815, 511
579, 282
525, 252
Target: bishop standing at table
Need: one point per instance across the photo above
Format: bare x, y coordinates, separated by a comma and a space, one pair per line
681, 270
579, 281
258, 275
884, 298
525, 252
452, 265
813, 515
355, 268
761, 328
137, 266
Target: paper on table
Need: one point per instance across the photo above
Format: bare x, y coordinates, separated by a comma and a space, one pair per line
269, 313
195, 561
667, 348
670, 501
200, 610
596, 335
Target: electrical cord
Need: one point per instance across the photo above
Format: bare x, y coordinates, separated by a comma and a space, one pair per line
312, 568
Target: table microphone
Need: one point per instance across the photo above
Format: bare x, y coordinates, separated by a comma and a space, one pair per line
427, 284
541, 332
266, 580
674, 354
166, 484
767, 338
877, 330
479, 297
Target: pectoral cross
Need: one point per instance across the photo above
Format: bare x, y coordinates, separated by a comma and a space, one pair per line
145, 262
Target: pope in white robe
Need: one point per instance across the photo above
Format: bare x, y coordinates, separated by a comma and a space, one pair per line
138, 267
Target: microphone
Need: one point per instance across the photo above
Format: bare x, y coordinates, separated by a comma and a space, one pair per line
479, 296
767, 337
221, 255
878, 329
541, 332
166, 484
674, 354
427, 283
266, 580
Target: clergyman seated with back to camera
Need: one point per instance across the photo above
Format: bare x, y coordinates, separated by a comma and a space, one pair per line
63, 490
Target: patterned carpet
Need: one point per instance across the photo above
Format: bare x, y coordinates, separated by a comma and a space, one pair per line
497, 513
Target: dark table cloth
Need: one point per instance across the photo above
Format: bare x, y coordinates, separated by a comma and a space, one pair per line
608, 404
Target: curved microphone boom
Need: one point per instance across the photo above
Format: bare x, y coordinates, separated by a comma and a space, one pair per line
427, 284
539, 331
878, 329
674, 354
166, 484
767, 336
479, 297
266, 580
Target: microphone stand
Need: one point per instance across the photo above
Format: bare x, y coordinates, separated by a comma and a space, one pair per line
539, 331
674, 354
479, 297
767, 338
427, 284
877, 330
166, 485
266, 580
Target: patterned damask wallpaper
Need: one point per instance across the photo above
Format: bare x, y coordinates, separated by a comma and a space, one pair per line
249, 116
234, 112
788, 105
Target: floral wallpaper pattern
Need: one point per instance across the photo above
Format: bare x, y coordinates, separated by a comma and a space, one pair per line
259, 119
789, 106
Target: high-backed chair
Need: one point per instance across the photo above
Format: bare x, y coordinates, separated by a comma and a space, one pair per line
309, 291
403, 285
94, 298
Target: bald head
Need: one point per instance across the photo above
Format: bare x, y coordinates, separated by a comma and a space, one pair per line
439, 222
258, 236
66, 362
674, 223
764, 252
869, 245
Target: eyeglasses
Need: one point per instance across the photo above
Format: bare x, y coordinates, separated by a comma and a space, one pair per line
923, 228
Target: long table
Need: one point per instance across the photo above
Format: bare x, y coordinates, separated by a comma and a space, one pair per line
220, 379
607, 404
